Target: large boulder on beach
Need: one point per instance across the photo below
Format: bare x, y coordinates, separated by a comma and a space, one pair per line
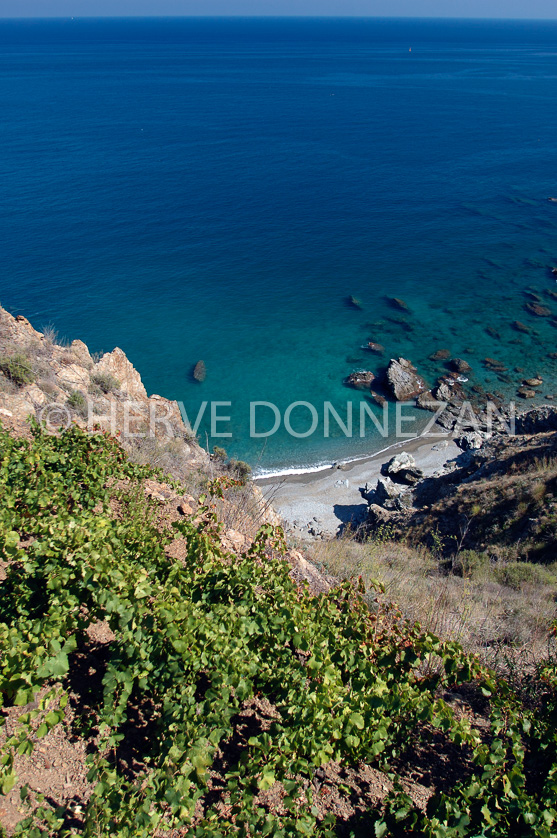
361, 380
402, 468
403, 381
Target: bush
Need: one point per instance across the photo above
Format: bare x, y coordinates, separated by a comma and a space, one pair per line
105, 381
240, 469
518, 574
17, 368
77, 401
470, 564
219, 453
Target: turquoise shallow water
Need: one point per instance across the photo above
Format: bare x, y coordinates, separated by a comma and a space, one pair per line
215, 189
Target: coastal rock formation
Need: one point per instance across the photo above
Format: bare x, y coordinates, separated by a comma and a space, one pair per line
63, 385
402, 468
403, 381
460, 366
360, 380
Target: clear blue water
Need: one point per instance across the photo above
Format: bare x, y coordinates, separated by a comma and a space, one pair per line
213, 189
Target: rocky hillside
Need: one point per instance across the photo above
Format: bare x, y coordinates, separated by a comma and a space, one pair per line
500, 497
62, 385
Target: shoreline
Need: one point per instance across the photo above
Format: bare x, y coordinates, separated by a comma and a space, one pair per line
322, 503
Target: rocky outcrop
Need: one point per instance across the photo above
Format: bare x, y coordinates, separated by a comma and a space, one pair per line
402, 468
200, 371
69, 387
460, 366
402, 380
361, 380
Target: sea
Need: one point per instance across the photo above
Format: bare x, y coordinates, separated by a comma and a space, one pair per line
219, 189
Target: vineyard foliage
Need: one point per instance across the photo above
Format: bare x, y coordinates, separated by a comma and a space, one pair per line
196, 639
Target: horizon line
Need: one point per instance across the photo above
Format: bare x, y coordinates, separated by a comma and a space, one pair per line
276, 17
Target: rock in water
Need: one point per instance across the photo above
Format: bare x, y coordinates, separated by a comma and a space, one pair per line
403, 380
376, 348
459, 365
537, 310
354, 302
200, 371
397, 303
360, 380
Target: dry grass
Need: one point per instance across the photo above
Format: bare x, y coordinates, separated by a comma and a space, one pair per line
496, 620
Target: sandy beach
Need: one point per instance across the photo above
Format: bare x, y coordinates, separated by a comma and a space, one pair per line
325, 501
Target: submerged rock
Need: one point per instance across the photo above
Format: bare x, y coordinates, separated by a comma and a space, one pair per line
397, 303
520, 327
537, 310
354, 302
440, 355
376, 348
533, 382
200, 371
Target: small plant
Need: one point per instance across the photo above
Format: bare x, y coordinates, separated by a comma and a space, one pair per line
240, 469
220, 453
77, 401
17, 368
105, 381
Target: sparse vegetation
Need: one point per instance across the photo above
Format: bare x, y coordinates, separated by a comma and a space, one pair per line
105, 382
17, 368
78, 402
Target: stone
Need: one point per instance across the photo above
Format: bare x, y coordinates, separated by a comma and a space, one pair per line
376, 348
470, 441
538, 420
537, 310
460, 366
354, 302
397, 303
427, 401
403, 380
440, 355
443, 393
361, 380
493, 333
386, 490
378, 398
233, 540
518, 326
200, 371
525, 393
117, 365
533, 382
75, 376
494, 365
402, 468
81, 351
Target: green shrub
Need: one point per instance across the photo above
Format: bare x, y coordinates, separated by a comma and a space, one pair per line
105, 381
17, 368
470, 564
517, 574
240, 470
78, 402
219, 453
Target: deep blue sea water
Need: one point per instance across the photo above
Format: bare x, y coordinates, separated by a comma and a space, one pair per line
214, 189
